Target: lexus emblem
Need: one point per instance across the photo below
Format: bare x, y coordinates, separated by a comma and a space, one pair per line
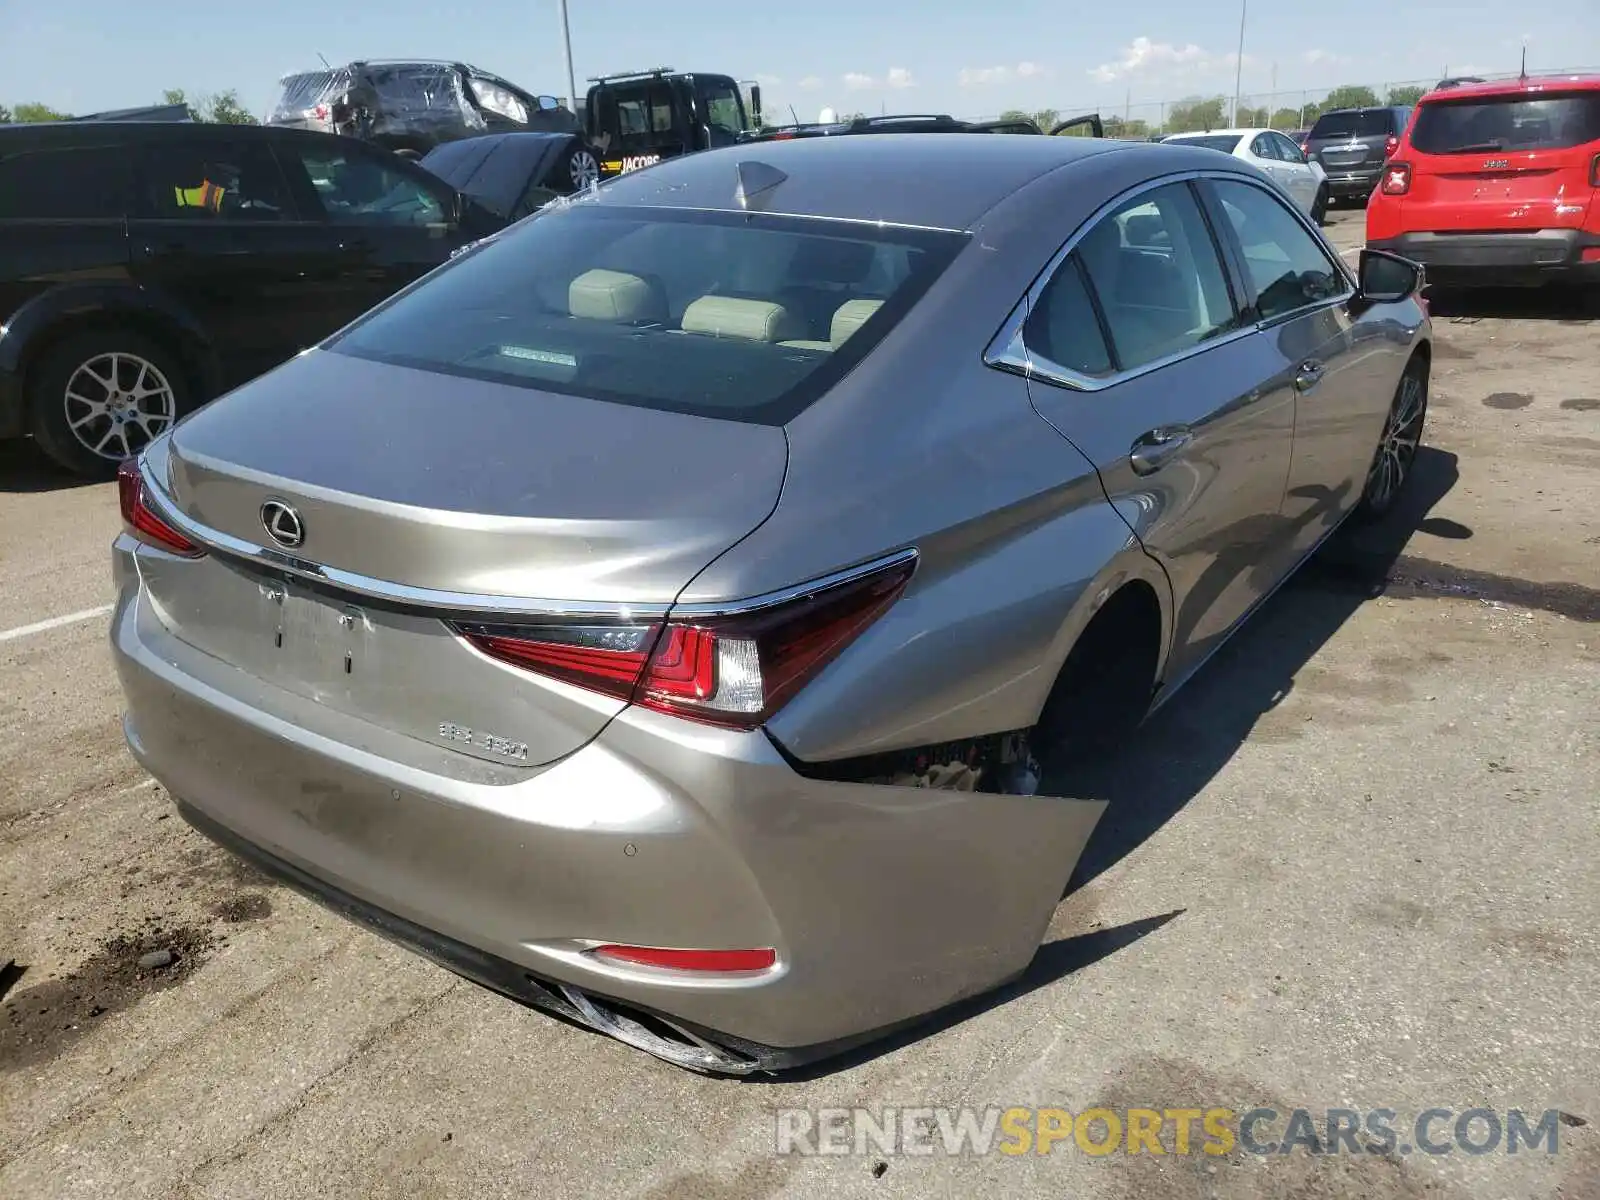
283, 523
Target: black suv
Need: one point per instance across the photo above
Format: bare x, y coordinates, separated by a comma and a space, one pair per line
1352, 144
146, 268
412, 105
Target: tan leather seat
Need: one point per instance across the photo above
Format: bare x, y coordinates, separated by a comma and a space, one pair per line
614, 296
747, 320
852, 315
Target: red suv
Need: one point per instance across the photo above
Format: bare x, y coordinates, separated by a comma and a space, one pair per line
1496, 184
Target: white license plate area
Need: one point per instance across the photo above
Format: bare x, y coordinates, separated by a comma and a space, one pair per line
317, 642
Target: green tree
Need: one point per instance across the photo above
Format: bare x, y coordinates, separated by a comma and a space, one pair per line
1015, 114
38, 112
1126, 130
5, 115
1046, 118
1406, 95
1251, 118
1286, 118
1349, 96
1193, 115
222, 109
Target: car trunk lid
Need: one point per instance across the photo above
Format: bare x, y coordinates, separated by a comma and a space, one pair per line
432, 498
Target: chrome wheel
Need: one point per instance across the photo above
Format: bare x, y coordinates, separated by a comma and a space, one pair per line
115, 404
1402, 434
583, 169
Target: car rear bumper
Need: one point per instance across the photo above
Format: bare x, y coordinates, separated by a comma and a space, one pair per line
883, 903
1347, 184
1511, 258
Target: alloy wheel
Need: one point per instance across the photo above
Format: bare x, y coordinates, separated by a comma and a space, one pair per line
1402, 433
117, 403
583, 169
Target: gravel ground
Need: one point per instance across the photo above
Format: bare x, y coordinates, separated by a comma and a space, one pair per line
1355, 865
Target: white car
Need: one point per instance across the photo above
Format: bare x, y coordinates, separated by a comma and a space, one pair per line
1277, 155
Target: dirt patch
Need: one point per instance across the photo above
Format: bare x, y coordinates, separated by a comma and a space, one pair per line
1581, 404
1415, 577
43, 1022
1544, 945
246, 906
1507, 400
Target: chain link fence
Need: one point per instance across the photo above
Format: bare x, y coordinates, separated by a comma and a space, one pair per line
1286, 110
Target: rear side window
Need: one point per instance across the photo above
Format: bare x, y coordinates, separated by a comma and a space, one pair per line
1227, 143
1361, 122
1547, 122
1063, 327
735, 315
78, 183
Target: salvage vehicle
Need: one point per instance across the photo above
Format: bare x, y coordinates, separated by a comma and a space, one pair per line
598, 617
1498, 184
639, 118
410, 106
512, 174
1275, 156
1352, 144
148, 267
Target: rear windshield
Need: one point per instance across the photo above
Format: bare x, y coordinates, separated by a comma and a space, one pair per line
302, 92
1549, 122
1365, 122
1216, 141
735, 315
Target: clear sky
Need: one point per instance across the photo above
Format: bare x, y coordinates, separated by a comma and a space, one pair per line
959, 56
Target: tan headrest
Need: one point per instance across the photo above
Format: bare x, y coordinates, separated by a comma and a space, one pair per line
614, 296
852, 315
749, 320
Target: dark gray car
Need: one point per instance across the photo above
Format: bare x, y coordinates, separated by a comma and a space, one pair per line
657, 612
1352, 144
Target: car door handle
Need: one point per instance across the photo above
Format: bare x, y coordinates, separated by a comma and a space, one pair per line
1153, 450
1308, 376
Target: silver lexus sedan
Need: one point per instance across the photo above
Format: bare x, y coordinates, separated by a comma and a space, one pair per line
664, 613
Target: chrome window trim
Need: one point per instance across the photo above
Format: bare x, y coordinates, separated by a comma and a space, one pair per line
511, 608
1008, 351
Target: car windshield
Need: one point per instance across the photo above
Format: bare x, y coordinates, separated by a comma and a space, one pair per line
1546, 122
726, 314
303, 92
723, 108
1366, 122
1211, 141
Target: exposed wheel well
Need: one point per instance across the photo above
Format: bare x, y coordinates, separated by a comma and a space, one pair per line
148, 324
1104, 688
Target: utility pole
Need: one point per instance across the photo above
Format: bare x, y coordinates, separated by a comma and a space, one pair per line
566, 57
1238, 65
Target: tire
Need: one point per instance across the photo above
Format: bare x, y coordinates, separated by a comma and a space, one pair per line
97, 397
1319, 206
579, 168
1397, 446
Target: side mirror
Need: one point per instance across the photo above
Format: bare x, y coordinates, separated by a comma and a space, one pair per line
548, 104
755, 106
1384, 278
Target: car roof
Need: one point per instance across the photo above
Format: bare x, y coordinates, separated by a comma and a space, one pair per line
1532, 85
1197, 133
943, 181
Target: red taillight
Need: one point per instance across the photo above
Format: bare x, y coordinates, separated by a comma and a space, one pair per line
734, 671
1396, 179
782, 137
723, 961
143, 523
1305, 148
321, 112
1594, 171
1390, 146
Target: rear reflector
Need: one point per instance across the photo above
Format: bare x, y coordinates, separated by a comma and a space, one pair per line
1591, 254
143, 523
734, 671
1397, 179
720, 961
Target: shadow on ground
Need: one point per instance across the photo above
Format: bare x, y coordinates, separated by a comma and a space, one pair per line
1574, 306
24, 468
